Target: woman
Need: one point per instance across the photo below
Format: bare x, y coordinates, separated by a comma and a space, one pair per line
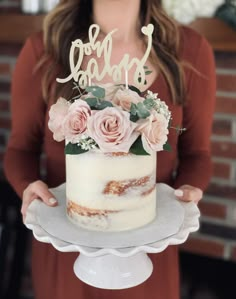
183, 75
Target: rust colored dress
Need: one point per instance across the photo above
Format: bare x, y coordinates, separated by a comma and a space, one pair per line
52, 271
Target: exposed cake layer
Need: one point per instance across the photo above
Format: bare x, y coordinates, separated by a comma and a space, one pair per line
111, 220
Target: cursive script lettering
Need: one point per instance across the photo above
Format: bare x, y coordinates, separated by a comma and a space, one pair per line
104, 48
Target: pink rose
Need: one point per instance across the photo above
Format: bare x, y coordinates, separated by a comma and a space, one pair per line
112, 130
76, 120
124, 98
57, 114
154, 130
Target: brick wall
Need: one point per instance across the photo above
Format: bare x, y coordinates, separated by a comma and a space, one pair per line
217, 234
8, 54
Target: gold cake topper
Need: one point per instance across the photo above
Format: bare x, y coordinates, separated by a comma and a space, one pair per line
104, 48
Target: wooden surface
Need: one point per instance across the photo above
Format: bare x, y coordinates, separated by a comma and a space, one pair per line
16, 27
220, 35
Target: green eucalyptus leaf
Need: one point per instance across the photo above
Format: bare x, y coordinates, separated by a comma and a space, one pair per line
133, 118
133, 109
73, 149
133, 88
149, 103
96, 91
137, 148
167, 147
142, 111
103, 104
92, 102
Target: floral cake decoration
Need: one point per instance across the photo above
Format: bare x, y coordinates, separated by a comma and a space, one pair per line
110, 117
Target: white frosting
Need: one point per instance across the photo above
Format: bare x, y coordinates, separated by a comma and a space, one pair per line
88, 175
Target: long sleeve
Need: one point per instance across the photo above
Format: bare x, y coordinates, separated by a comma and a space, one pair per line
21, 163
194, 166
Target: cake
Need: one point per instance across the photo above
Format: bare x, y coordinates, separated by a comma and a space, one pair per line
111, 146
111, 192
112, 133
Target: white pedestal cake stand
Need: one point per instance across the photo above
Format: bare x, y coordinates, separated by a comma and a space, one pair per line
115, 260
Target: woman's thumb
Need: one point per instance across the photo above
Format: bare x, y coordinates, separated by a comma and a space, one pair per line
47, 197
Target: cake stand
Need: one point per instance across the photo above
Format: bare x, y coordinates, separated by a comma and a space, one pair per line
115, 260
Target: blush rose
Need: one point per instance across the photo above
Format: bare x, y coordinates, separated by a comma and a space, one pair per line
57, 114
124, 98
154, 130
75, 122
112, 130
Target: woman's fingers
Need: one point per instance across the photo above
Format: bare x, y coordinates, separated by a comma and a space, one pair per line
37, 190
41, 189
189, 193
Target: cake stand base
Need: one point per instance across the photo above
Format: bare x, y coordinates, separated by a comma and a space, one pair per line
114, 260
113, 272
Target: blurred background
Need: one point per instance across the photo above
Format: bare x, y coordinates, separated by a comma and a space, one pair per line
208, 258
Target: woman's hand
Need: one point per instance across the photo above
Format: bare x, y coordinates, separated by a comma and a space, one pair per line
36, 190
189, 193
